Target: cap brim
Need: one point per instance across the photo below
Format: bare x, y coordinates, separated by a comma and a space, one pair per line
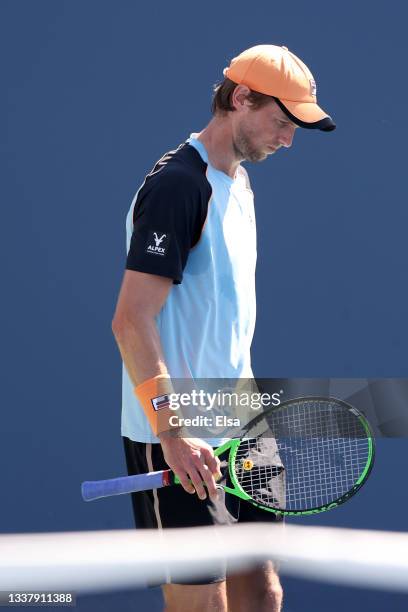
307, 115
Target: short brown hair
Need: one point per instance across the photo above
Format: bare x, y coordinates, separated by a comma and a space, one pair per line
221, 102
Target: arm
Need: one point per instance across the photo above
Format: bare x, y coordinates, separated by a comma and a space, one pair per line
140, 299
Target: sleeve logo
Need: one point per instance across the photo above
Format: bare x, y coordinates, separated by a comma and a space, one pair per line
157, 243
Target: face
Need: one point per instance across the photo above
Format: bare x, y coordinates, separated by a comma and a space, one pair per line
260, 132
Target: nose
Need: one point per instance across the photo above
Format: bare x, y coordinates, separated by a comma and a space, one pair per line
286, 136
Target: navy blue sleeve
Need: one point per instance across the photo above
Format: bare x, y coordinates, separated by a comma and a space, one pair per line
168, 218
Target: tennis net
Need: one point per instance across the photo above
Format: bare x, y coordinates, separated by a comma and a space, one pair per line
95, 561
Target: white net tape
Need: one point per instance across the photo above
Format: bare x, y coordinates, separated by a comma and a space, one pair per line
109, 560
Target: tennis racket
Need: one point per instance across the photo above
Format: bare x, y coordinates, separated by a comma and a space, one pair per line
306, 455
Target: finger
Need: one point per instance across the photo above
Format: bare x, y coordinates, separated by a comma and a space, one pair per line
186, 482
197, 480
209, 482
213, 463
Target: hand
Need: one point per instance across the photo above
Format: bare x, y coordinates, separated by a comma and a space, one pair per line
194, 463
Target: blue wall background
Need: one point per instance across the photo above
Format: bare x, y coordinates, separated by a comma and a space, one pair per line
93, 92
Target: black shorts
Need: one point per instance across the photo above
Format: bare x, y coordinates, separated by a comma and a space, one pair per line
173, 507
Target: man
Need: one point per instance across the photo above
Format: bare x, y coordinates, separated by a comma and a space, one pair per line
186, 308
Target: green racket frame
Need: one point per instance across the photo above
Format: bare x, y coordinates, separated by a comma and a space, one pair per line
233, 445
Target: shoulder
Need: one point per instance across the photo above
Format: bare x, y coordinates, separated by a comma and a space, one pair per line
181, 171
176, 187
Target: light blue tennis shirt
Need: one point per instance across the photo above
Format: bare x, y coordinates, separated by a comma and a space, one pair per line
195, 224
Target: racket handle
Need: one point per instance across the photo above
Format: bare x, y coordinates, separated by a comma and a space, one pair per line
95, 489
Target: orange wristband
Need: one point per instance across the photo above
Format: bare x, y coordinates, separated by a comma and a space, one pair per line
153, 395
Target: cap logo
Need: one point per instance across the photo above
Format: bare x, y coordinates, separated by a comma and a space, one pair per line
312, 87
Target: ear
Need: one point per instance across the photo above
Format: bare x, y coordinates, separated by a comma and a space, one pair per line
239, 98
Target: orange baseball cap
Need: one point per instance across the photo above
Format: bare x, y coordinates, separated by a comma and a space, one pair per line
277, 72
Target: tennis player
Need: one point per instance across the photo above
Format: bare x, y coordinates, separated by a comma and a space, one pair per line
186, 308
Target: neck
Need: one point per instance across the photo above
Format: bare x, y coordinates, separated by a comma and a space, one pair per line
217, 139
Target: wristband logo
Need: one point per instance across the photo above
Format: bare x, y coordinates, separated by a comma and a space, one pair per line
160, 402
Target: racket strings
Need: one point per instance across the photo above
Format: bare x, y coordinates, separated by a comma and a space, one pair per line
307, 455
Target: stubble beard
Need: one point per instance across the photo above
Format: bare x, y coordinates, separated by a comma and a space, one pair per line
244, 149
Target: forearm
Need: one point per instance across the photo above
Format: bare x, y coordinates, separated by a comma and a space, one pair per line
140, 347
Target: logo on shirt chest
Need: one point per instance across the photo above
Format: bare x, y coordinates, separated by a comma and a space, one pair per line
157, 243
